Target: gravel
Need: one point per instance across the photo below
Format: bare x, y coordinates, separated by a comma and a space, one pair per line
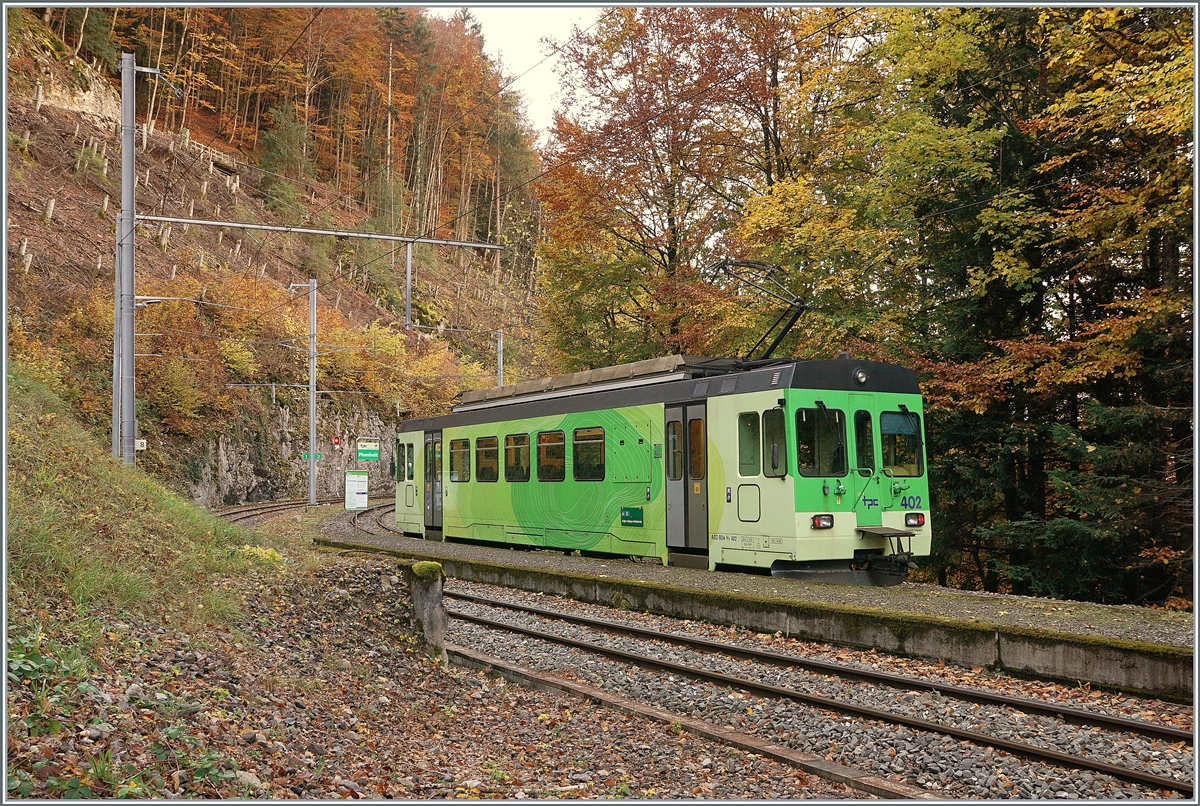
940, 764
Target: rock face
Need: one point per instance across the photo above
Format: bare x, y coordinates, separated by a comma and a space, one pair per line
268, 464
66, 83
92, 96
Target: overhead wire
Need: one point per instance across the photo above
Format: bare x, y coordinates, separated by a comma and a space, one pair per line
644, 121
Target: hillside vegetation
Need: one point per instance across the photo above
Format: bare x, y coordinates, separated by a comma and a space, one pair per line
999, 199
89, 538
230, 328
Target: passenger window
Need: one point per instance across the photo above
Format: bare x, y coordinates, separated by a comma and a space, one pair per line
820, 442
900, 432
412, 457
774, 443
399, 476
437, 461
696, 447
487, 459
749, 444
674, 450
864, 443
516, 457
551, 456
460, 460
588, 454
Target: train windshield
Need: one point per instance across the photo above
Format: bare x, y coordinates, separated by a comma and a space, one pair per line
901, 433
821, 442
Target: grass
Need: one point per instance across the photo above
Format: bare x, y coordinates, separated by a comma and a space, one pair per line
89, 538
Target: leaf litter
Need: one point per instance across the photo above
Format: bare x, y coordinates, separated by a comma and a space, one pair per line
323, 691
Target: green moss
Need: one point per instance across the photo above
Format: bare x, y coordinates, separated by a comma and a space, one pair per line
852, 618
427, 571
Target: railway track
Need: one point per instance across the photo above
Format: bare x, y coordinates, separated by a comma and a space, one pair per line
247, 512
1080, 752
250, 511
977, 723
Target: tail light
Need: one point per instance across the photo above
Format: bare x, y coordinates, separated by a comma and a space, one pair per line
914, 519
822, 522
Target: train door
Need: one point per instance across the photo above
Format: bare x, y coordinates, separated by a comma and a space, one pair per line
686, 458
697, 488
865, 477
433, 485
410, 487
676, 498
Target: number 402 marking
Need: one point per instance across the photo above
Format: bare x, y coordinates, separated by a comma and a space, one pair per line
911, 502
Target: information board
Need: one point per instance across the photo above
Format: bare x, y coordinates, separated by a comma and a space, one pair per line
368, 450
356, 490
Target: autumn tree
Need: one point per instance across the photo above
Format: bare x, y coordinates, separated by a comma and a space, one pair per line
639, 192
1018, 234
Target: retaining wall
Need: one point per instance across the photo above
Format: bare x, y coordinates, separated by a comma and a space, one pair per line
1162, 671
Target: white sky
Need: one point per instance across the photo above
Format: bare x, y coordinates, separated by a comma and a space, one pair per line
512, 36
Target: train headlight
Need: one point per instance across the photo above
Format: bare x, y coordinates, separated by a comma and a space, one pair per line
914, 519
822, 522
860, 376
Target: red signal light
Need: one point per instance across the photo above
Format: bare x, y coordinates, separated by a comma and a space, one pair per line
337, 440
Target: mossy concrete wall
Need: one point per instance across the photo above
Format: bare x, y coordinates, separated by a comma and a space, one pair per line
1144, 668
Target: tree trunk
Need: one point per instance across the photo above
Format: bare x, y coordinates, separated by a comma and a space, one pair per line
82, 23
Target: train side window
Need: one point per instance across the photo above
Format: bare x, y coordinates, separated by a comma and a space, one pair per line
864, 443
516, 457
460, 460
697, 443
749, 444
774, 441
487, 459
900, 433
551, 456
412, 457
587, 446
398, 474
437, 461
674, 450
821, 442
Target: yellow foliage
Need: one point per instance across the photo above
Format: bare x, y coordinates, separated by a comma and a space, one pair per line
42, 362
238, 358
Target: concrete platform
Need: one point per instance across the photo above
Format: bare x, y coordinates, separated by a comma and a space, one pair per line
1126, 648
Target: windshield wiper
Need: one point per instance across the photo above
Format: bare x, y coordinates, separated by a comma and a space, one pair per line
836, 432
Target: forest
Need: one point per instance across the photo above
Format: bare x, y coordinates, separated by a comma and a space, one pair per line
998, 198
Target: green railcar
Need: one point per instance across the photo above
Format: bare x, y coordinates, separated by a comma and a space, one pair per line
803, 468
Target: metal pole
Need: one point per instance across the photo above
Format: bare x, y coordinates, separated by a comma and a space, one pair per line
312, 392
408, 285
116, 374
126, 231
499, 358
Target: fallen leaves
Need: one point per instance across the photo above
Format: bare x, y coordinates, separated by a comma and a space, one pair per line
322, 696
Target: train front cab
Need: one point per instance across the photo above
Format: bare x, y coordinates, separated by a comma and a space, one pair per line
819, 484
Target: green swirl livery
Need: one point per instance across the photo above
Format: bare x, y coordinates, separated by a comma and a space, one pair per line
806, 468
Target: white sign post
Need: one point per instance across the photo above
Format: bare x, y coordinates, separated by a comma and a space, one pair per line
356, 493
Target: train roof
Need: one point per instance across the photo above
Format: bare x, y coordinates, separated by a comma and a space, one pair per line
671, 379
621, 376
